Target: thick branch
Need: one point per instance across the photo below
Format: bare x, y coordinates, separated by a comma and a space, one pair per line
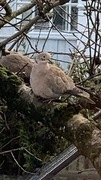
11, 15
23, 9
87, 137
27, 27
79, 130
6, 6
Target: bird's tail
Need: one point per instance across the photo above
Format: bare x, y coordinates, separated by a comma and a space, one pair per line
81, 93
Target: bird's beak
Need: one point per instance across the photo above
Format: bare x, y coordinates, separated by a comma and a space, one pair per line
50, 61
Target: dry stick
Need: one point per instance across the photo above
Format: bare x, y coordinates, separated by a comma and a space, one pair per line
38, 39
5, 120
64, 36
46, 38
32, 154
96, 23
9, 142
31, 45
60, 60
20, 165
19, 37
87, 43
94, 27
22, 38
77, 30
89, 36
71, 69
28, 39
23, 9
10, 150
23, 19
21, 68
97, 34
96, 37
15, 42
24, 29
53, 52
19, 43
17, 149
2, 130
82, 51
17, 12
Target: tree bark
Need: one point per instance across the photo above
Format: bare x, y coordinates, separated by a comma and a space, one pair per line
87, 138
78, 129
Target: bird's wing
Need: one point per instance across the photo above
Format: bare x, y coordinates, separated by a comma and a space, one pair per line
58, 81
39, 85
49, 81
15, 61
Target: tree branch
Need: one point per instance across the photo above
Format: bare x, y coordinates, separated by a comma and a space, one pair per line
11, 15
24, 9
78, 129
27, 27
87, 138
6, 7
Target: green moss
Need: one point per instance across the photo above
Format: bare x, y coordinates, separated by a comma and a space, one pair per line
30, 127
9, 84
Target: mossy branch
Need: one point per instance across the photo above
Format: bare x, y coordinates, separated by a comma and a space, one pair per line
87, 137
62, 119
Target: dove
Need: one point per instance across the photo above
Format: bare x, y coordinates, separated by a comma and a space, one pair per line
49, 81
17, 63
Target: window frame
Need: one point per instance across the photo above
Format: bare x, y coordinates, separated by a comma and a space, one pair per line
68, 5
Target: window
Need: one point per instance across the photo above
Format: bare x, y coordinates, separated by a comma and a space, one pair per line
23, 18
66, 16
41, 24
60, 16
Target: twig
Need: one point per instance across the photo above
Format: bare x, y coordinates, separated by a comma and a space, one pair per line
32, 155
65, 37
96, 115
9, 142
20, 165
9, 151
25, 29
46, 38
91, 77
21, 68
36, 45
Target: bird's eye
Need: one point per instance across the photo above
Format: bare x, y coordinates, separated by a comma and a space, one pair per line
43, 57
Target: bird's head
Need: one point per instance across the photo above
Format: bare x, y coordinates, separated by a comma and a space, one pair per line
44, 56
